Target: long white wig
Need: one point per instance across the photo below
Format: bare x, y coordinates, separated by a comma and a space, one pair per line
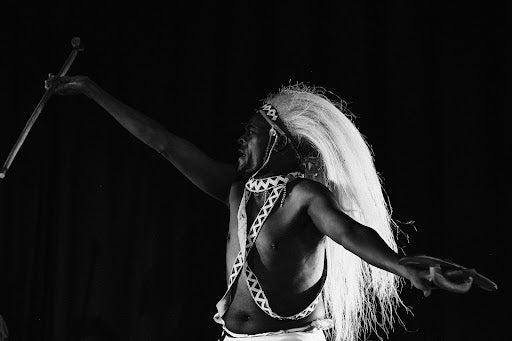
358, 297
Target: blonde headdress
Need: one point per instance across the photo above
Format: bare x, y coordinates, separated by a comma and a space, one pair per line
359, 297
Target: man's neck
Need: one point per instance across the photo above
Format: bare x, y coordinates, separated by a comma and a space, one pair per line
268, 172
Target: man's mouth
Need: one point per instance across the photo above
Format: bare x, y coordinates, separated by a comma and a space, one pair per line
241, 157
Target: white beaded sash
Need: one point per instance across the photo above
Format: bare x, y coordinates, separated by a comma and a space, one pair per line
276, 186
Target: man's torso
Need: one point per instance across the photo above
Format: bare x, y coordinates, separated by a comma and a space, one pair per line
287, 258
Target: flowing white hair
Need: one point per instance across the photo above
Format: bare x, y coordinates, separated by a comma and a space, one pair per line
358, 296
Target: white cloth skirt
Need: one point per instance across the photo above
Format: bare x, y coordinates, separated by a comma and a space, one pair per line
312, 332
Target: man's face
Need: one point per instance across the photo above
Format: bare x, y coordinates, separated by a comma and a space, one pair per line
253, 145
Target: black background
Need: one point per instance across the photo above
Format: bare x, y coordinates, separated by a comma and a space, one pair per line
102, 239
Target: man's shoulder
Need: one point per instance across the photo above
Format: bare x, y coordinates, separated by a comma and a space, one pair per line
305, 190
237, 187
238, 183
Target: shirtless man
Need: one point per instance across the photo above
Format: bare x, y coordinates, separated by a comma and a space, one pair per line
292, 218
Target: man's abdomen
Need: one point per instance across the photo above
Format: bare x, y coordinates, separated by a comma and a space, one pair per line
244, 316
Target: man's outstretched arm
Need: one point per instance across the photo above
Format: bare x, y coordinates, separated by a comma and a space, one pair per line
359, 239
211, 176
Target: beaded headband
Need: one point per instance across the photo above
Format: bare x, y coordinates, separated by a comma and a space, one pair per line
271, 115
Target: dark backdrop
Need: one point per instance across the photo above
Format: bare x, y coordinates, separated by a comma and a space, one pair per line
102, 239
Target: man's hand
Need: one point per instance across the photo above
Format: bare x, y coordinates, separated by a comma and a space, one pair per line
420, 279
68, 85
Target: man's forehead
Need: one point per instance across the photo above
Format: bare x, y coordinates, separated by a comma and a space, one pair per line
258, 121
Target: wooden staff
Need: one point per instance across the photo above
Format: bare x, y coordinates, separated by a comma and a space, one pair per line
77, 47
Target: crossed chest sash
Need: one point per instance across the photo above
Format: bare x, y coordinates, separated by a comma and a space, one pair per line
274, 186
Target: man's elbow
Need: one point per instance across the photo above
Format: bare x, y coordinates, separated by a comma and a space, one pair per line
340, 235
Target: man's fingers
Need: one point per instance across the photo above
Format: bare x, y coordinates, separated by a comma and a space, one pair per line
59, 84
47, 82
426, 287
51, 81
65, 85
55, 81
60, 89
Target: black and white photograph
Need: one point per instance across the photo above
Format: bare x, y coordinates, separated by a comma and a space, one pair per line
255, 171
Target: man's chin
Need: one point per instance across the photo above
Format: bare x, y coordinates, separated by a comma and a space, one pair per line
244, 171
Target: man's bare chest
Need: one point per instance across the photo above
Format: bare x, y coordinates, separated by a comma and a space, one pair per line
278, 222
284, 237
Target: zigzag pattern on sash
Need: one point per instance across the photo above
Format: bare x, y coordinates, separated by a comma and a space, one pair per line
235, 270
260, 219
240, 260
277, 184
259, 297
262, 185
253, 233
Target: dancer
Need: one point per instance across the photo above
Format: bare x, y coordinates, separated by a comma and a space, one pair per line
311, 249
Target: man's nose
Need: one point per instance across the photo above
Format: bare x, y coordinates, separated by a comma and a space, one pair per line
241, 140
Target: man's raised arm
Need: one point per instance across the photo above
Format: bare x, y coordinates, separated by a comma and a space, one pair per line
212, 177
